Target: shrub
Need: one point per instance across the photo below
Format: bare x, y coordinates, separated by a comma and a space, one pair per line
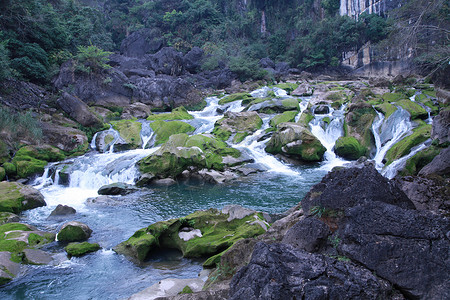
93, 58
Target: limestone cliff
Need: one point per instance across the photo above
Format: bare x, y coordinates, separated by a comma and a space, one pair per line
353, 8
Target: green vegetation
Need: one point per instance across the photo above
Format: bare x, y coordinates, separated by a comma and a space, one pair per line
235, 97
130, 131
80, 249
186, 290
19, 125
419, 160
349, 148
287, 116
164, 130
179, 113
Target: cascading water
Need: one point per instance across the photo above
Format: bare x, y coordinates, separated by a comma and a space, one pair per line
328, 134
303, 106
388, 132
146, 133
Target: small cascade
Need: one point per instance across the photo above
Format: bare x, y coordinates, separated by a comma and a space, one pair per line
327, 134
388, 132
429, 120
93, 142
303, 106
146, 133
256, 149
45, 179
261, 93
235, 106
392, 170
280, 93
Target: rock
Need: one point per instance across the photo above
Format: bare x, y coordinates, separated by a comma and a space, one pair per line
427, 193
217, 177
16, 197
309, 234
130, 132
80, 249
295, 141
239, 123
142, 42
178, 113
279, 271
287, 116
73, 231
237, 212
78, 110
266, 62
271, 106
103, 201
8, 269
166, 61
165, 181
304, 89
322, 110
164, 130
414, 109
193, 59
399, 245
440, 165
62, 210
65, 138
37, 257
350, 187
358, 122
7, 217
118, 188
136, 110
349, 148
217, 235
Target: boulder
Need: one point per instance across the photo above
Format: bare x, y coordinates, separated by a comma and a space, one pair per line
65, 138
78, 110
309, 234
271, 106
8, 217
62, 210
358, 123
304, 89
348, 187
321, 110
80, 249
266, 62
37, 257
287, 116
408, 248
16, 197
164, 130
440, 165
296, 141
136, 110
193, 59
73, 231
427, 193
215, 236
166, 61
142, 42
279, 271
103, 201
349, 148
8, 268
239, 123
118, 188
130, 132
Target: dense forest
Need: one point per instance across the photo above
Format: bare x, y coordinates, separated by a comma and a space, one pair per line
38, 36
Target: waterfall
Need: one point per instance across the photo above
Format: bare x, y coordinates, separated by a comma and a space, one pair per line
388, 132
327, 134
146, 133
303, 106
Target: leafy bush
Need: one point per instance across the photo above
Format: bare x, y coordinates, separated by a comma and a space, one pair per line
246, 68
93, 58
20, 125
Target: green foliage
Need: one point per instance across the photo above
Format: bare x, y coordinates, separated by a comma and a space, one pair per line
246, 68
5, 62
186, 290
21, 125
93, 58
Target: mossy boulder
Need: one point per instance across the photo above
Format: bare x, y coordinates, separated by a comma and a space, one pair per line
8, 217
10, 169
414, 109
74, 231
358, 124
393, 97
4, 152
2, 174
129, 131
296, 141
164, 130
403, 147
272, 106
349, 148
414, 164
386, 108
287, 116
182, 151
239, 123
16, 197
235, 97
206, 233
31, 160
80, 249
289, 87
179, 113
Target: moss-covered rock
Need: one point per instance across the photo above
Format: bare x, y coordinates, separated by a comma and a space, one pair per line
414, 164
287, 116
74, 231
358, 124
235, 97
182, 151
414, 109
386, 108
7, 217
296, 141
164, 130
2, 174
80, 249
4, 152
271, 106
130, 131
289, 87
240, 123
305, 118
16, 197
10, 169
201, 234
179, 113
349, 148
403, 147
393, 97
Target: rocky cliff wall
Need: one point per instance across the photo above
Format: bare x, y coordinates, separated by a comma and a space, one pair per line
353, 8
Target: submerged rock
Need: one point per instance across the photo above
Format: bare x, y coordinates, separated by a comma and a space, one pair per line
80, 249
16, 197
118, 188
37, 257
8, 269
74, 231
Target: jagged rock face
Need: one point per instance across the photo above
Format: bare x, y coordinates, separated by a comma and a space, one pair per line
441, 127
141, 42
280, 271
346, 188
78, 110
440, 165
353, 8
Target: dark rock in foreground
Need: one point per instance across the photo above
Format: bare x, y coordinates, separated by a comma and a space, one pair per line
118, 188
62, 210
280, 271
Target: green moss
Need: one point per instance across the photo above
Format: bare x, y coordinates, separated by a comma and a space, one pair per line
235, 97
290, 104
428, 102
386, 108
13, 226
358, 124
305, 118
2, 174
38, 240
186, 290
130, 131
27, 168
419, 160
393, 97
164, 130
287, 116
179, 113
71, 233
10, 169
197, 107
239, 137
403, 147
414, 109
12, 200
287, 86
430, 93
221, 133
80, 249
349, 148
255, 101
